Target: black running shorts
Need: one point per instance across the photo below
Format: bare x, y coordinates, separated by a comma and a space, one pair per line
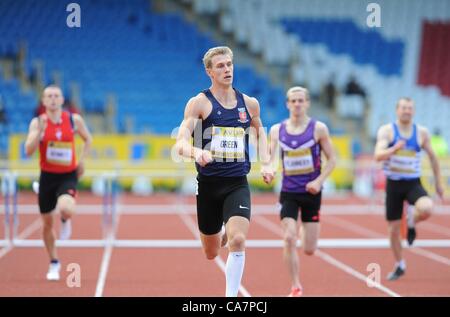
53, 185
308, 204
397, 191
219, 199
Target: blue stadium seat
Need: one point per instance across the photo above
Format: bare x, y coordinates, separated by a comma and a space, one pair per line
343, 37
150, 61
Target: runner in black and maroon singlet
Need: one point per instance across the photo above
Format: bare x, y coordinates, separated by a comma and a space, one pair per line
223, 117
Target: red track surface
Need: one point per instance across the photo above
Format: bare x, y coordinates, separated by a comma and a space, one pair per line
186, 272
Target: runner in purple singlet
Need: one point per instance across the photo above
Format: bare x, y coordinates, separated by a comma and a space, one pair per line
300, 139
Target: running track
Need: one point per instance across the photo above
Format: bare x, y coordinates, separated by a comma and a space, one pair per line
185, 271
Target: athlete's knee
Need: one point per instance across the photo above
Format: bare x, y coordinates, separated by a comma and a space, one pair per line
310, 250
47, 224
394, 231
211, 253
424, 207
394, 228
290, 239
66, 207
67, 212
237, 241
424, 215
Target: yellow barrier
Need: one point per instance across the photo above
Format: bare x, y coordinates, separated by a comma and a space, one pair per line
136, 153
138, 150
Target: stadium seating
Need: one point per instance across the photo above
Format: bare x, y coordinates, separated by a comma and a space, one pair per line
331, 38
150, 61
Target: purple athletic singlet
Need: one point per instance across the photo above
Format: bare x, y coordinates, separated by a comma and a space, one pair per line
301, 158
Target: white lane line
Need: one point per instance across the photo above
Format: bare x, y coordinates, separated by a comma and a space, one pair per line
436, 228
269, 209
356, 228
103, 270
351, 226
329, 259
28, 231
349, 270
106, 259
218, 260
431, 255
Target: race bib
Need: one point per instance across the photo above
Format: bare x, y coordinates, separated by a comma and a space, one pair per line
298, 162
228, 143
59, 153
403, 161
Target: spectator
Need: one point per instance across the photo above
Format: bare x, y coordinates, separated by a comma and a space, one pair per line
2, 111
33, 78
353, 88
330, 93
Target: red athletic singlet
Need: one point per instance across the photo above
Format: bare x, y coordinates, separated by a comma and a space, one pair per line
57, 146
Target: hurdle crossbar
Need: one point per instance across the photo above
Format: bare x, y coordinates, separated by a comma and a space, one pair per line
259, 243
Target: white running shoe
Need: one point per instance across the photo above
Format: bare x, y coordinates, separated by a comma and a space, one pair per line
66, 230
36, 187
53, 271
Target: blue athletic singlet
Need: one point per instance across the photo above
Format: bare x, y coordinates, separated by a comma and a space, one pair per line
405, 163
225, 134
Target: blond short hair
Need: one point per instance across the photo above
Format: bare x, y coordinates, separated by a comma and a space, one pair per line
218, 50
297, 89
407, 99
